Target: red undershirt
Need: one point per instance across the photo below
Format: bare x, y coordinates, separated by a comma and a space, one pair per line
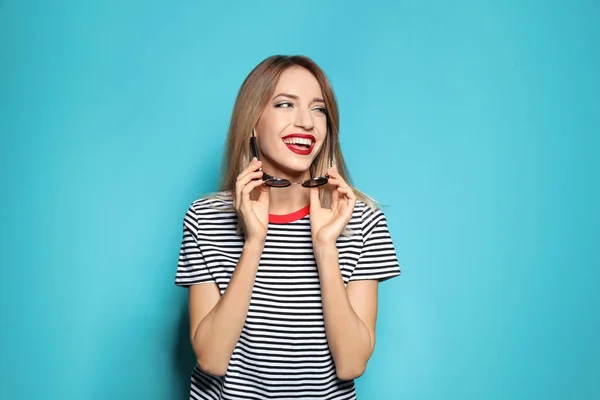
287, 218
291, 217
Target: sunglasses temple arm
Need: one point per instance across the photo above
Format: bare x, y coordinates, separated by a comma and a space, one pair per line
253, 147
330, 144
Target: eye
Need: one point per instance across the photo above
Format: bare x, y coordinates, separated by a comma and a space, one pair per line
284, 104
322, 110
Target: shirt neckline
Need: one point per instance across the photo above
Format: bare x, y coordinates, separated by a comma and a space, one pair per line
291, 217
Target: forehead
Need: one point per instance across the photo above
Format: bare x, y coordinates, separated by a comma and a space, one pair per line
298, 81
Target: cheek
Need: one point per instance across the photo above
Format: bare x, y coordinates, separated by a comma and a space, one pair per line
267, 129
321, 123
272, 121
322, 128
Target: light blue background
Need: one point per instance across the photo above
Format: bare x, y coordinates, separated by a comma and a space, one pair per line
477, 122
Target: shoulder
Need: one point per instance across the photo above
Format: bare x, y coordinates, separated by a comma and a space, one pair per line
368, 216
367, 213
215, 202
216, 206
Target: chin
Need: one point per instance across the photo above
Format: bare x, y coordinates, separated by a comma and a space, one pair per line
295, 171
293, 168
286, 163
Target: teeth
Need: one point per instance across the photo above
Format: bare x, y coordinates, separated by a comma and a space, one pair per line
296, 140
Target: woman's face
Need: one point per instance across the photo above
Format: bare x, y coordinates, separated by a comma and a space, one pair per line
293, 126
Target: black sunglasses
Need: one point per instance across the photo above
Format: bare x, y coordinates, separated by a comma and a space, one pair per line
279, 182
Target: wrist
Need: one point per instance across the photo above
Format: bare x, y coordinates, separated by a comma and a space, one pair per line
323, 244
325, 249
254, 243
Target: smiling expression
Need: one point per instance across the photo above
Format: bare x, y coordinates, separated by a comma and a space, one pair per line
292, 128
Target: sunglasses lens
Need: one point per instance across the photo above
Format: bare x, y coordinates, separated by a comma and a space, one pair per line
277, 183
315, 182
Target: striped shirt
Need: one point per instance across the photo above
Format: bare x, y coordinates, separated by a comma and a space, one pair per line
282, 352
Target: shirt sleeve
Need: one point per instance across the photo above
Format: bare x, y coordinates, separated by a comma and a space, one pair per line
191, 267
378, 259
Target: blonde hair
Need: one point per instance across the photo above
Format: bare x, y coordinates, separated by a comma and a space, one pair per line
252, 98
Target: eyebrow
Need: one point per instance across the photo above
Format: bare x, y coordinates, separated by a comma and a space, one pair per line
293, 96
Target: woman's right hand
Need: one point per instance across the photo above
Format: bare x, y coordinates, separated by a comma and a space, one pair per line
254, 213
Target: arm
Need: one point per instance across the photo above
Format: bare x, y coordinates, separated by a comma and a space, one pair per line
350, 312
216, 321
350, 315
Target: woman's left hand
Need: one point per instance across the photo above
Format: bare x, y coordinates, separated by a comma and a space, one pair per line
327, 224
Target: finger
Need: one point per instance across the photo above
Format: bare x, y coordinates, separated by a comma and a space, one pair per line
349, 203
243, 181
335, 197
236, 197
249, 186
252, 166
347, 190
333, 172
342, 188
252, 176
337, 182
255, 165
264, 194
342, 191
241, 184
246, 200
348, 193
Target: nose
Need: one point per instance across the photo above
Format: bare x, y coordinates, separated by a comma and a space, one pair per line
303, 119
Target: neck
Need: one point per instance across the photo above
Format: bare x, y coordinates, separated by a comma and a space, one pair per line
288, 200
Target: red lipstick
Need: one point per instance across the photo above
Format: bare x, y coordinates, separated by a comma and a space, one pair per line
297, 150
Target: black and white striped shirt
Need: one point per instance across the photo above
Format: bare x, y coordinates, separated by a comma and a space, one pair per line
282, 352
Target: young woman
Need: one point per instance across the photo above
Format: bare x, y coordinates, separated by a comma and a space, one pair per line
283, 263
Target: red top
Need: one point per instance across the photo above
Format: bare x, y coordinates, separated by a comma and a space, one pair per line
291, 217
286, 218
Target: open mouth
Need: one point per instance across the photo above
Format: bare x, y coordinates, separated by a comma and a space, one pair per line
300, 144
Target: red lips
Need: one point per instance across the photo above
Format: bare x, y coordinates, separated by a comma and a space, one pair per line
300, 135
296, 150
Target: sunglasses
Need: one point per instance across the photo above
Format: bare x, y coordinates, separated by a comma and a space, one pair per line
280, 182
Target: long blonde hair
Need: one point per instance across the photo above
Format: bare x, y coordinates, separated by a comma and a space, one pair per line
252, 99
